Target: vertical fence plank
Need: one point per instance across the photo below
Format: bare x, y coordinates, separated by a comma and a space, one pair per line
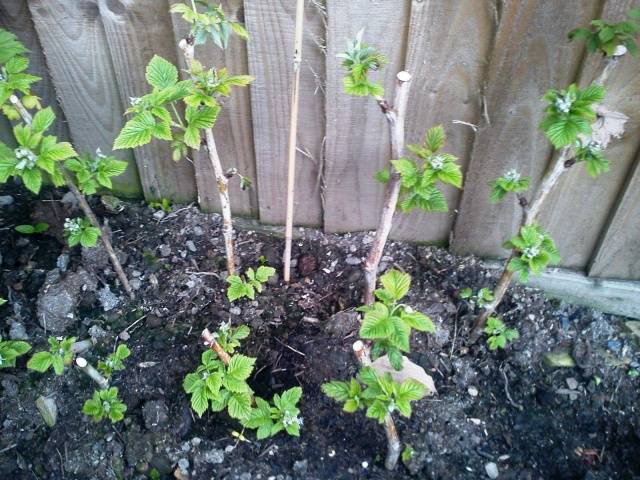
15, 17
531, 54
577, 230
135, 32
271, 25
618, 254
448, 49
357, 134
74, 43
233, 129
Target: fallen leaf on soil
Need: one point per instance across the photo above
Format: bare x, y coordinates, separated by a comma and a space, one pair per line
409, 370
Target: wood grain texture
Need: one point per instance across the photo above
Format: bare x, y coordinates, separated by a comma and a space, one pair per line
271, 26
233, 130
15, 17
75, 45
357, 143
578, 209
448, 71
136, 30
531, 54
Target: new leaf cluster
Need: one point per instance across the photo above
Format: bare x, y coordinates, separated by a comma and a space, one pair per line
105, 404
534, 250
499, 334
13, 78
80, 231
388, 323
380, 396
419, 180
359, 60
240, 287
59, 356
606, 37
95, 171
511, 181
10, 350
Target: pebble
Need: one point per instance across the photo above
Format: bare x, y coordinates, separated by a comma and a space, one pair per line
572, 383
215, 456
473, 391
108, 299
6, 200
63, 262
135, 283
198, 231
235, 311
351, 260
165, 250
159, 215
300, 467
191, 246
492, 470
18, 332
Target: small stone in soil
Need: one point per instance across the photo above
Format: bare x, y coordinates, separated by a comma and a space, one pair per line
165, 250
108, 299
159, 215
18, 332
351, 260
63, 262
307, 263
572, 383
235, 311
155, 414
214, 456
191, 246
135, 283
492, 470
473, 391
6, 200
300, 467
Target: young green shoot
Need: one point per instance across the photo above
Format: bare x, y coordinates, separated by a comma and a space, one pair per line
105, 404
533, 251
482, 298
388, 323
249, 284
606, 37
510, 182
498, 334
95, 171
59, 356
40, 227
81, 231
10, 350
115, 361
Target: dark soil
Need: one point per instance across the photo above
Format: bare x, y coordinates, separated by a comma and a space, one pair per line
503, 407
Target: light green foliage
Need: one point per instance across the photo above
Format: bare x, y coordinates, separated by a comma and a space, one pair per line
13, 78
211, 23
511, 181
2, 301
378, 394
229, 337
283, 414
590, 152
605, 37
163, 204
535, 250
240, 287
482, 298
36, 153
114, 362
570, 113
388, 323
32, 229
419, 181
58, 356
95, 171
157, 114
359, 60
407, 453
80, 231
105, 404
10, 350
498, 333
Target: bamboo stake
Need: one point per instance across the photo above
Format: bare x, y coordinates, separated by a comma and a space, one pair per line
92, 373
211, 342
390, 430
293, 133
85, 207
222, 181
561, 163
396, 119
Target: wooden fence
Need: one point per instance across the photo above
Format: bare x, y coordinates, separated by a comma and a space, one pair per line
485, 62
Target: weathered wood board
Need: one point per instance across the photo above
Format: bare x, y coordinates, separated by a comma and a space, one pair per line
531, 54
448, 71
135, 32
271, 26
233, 130
357, 143
75, 45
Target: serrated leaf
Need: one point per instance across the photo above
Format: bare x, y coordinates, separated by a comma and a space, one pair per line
161, 73
239, 405
240, 366
396, 283
42, 120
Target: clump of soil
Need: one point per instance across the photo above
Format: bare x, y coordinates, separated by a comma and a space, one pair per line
502, 411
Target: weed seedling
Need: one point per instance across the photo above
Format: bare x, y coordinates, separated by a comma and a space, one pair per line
59, 356
105, 404
482, 298
163, 204
81, 231
114, 362
498, 334
32, 229
10, 350
248, 285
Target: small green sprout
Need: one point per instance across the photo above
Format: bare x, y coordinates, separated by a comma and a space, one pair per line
606, 37
3, 301
498, 333
535, 250
115, 361
59, 356
10, 350
95, 171
32, 229
407, 453
105, 404
381, 395
591, 152
240, 287
80, 231
570, 113
388, 323
229, 337
163, 204
210, 24
482, 298
283, 415
13, 78
511, 181
419, 188
359, 60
